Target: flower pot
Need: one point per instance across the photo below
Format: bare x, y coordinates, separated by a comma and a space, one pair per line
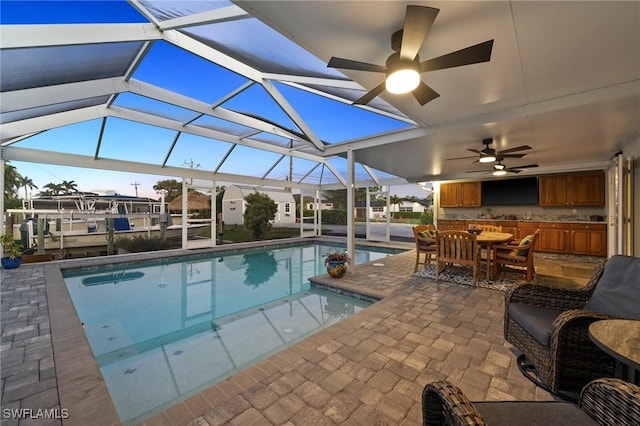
9, 263
336, 268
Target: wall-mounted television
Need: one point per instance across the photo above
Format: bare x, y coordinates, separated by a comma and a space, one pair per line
502, 192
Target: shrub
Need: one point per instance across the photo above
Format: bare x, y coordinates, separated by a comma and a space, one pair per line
140, 243
261, 209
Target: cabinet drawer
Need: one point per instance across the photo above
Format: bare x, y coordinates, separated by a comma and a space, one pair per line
550, 225
588, 226
528, 225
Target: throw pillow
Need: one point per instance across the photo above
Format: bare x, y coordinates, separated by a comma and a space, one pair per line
525, 244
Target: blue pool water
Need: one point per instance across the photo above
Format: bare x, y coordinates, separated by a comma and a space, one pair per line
161, 331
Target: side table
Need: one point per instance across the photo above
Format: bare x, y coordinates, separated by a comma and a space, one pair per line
621, 340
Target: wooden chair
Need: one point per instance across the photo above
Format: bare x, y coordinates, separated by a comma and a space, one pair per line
457, 247
424, 244
485, 227
517, 256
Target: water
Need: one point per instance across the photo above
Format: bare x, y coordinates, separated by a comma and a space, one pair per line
164, 330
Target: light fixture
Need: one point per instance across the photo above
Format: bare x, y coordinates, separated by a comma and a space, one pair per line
487, 159
499, 170
403, 77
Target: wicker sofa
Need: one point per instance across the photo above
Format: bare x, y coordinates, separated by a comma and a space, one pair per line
550, 326
603, 402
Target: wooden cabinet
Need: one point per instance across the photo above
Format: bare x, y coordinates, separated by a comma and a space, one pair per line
554, 237
525, 228
451, 225
589, 239
586, 189
460, 194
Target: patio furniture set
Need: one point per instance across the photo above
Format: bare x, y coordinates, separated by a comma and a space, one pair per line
582, 345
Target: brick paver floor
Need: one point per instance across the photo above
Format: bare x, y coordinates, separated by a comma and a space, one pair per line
368, 369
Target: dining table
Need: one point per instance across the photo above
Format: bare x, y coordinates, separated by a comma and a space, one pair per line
486, 239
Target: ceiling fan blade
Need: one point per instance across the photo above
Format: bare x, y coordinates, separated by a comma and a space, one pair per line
417, 24
512, 155
460, 158
424, 93
477, 151
371, 94
517, 148
355, 65
470, 55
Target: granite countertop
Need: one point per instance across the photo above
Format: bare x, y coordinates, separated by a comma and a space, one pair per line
547, 220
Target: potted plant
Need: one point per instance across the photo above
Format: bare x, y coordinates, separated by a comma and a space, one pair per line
12, 252
336, 263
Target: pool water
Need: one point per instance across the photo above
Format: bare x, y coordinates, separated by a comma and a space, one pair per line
162, 331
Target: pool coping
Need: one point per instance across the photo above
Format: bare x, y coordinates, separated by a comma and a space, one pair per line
81, 387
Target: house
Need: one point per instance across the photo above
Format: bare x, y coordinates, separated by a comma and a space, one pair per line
234, 204
410, 205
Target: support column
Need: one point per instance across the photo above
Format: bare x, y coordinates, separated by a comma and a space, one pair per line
185, 205
351, 205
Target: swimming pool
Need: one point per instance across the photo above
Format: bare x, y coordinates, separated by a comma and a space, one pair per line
162, 331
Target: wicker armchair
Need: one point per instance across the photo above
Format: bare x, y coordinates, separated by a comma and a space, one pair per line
550, 325
603, 402
424, 244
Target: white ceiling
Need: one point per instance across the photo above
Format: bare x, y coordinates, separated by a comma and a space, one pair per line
564, 78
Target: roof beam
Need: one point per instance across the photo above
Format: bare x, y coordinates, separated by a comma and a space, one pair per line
292, 113
223, 14
48, 95
88, 162
15, 36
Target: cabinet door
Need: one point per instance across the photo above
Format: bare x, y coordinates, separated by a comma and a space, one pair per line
588, 190
553, 240
470, 194
553, 191
449, 195
589, 239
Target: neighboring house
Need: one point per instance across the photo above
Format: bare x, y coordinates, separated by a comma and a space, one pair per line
410, 205
233, 204
324, 205
377, 209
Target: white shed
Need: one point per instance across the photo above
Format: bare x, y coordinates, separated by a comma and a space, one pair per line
233, 204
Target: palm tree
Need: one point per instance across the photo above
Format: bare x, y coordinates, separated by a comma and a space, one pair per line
27, 183
395, 201
69, 186
11, 186
52, 189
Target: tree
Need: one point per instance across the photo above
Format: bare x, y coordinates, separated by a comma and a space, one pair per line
11, 186
394, 200
172, 186
69, 187
52, 189
26, 183
260, 210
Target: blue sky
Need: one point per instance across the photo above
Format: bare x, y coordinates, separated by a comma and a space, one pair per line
180, 71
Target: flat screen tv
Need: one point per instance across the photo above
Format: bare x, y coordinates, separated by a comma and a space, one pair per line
501, 192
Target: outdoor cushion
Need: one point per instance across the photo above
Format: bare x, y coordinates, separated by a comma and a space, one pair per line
618, 291
524, 243
509, 413
536, 321
429, 236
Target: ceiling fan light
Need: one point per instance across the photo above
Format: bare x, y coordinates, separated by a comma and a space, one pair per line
500, 172
487, 159
402, 80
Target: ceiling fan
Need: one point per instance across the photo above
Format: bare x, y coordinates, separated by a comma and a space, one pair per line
489, 155
499, 169
403, 67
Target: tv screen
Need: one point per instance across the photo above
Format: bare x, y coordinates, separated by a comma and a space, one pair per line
510, 191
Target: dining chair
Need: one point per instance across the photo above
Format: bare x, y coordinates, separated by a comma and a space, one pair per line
425, 239
457, 247
517, 256
485, 227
